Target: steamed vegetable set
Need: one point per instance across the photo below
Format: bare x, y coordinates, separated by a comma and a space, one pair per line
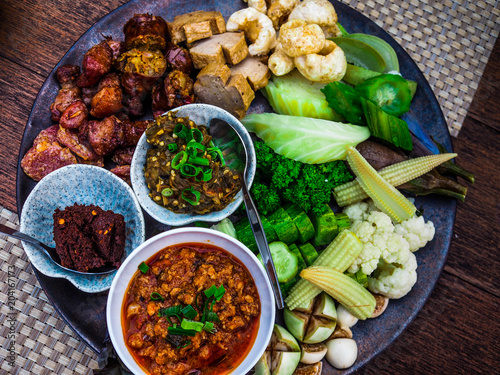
344, 138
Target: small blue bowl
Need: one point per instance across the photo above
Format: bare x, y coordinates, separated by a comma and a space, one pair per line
201, 114
82, 184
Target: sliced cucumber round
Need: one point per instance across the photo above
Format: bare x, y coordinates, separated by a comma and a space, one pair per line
285, 262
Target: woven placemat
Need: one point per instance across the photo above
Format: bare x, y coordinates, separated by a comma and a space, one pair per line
450, 41
33, 338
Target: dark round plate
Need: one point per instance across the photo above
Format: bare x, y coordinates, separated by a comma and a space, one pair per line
85, 313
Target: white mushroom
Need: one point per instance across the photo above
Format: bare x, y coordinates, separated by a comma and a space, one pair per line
382, 303
328, 65
298, 38
279, 62
345, 318
258, 30
342, 353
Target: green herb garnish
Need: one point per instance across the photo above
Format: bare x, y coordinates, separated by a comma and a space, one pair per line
143, 267
155, 296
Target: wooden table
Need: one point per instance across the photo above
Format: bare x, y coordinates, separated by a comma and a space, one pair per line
456, 332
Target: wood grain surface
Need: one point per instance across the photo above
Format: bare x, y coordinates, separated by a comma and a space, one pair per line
457, 330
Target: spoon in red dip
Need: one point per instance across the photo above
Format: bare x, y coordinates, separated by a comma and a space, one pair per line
51, 252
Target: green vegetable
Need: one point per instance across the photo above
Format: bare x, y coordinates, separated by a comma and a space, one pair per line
301, 221
355, 75
385, 196
285, 262
294, 95
344, 289
294, 249
387, 127
189, 312
389, 91
325, 226
245, 234
339, 254
191, 324
191, 195
303, 139
346, 101
155, 296
225, 226
342, 29
284, 226
308, 252
395, 174
382, 47
143, 267
266, 198
181, 331
360, 53
308, 186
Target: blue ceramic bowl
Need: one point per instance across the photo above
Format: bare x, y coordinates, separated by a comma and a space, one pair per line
82, 184
201, 114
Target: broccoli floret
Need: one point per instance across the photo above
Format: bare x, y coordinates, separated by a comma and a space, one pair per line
265, 197
307, 185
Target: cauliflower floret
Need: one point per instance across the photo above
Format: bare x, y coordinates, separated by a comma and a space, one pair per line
416, 231
394, 281
381, 221
397, 249
367, 261
357, 211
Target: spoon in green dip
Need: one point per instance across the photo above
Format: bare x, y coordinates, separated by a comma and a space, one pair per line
236, 156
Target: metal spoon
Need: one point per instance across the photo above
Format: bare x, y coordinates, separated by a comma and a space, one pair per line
51, 252
234, 150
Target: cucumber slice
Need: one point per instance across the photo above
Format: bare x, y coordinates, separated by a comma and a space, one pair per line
286, 263
302, 263
302, 222
284, 227
308, 252
325, 227
245, 234
382, 47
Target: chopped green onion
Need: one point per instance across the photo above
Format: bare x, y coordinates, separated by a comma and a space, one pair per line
172, 147
179, 160
191, 324
181, 331
205, 176
167, 192
194, 148
189, 312
143, 267
189, 170
210, 316
197, 135
211, 291
155, 296
198, 160
216, 155
170, 311
180, 130
195, 193
219, 293
209, 327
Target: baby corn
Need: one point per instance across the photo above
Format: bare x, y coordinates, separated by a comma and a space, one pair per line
395, 174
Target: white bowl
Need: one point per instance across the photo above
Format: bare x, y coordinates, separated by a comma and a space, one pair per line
82, 184
201, 114
190, 235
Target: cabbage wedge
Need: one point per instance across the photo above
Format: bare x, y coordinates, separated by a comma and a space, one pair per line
308, 140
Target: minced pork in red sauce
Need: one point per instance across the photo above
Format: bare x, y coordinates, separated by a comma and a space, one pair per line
180, 274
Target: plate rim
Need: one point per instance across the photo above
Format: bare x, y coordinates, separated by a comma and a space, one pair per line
401, 52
